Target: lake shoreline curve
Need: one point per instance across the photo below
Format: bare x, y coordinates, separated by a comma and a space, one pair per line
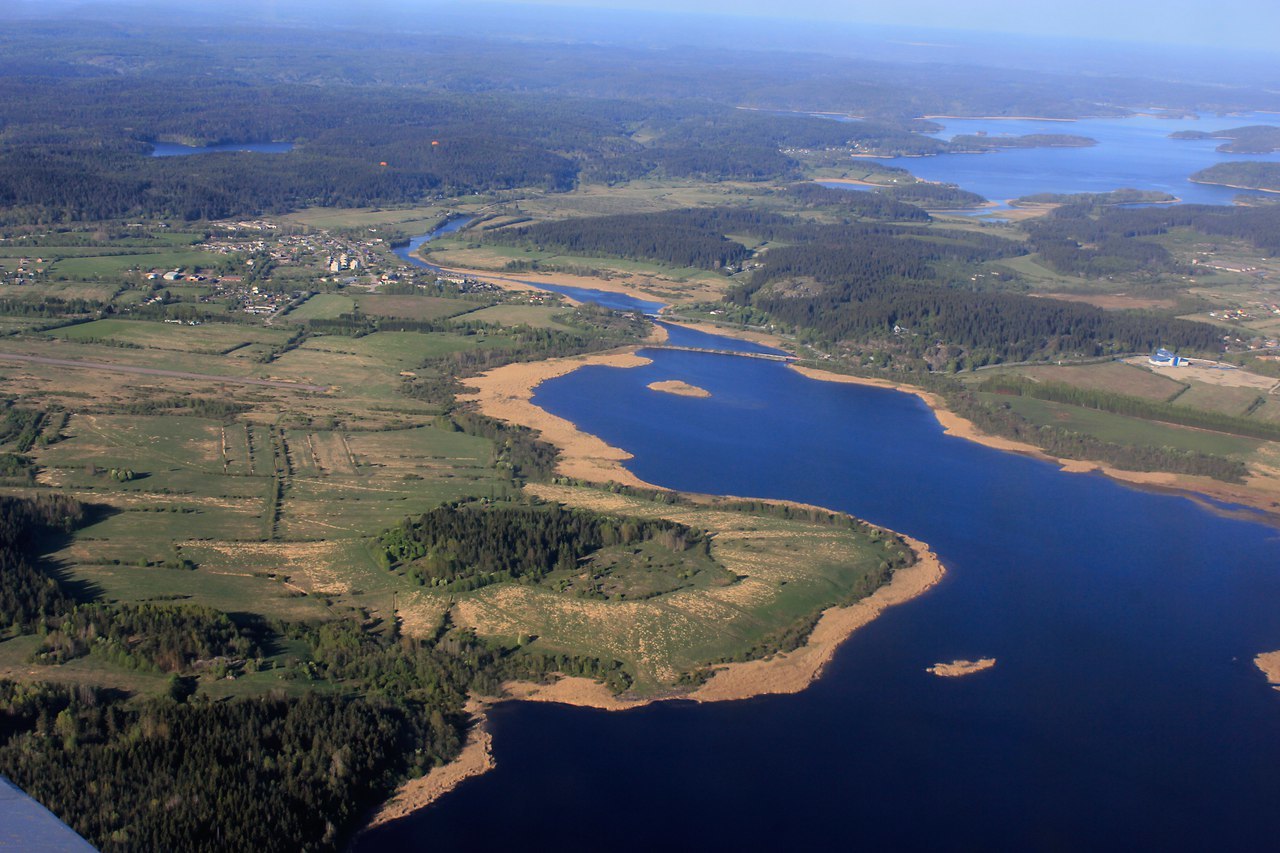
506, 393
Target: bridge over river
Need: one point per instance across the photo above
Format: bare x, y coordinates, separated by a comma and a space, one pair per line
767, 356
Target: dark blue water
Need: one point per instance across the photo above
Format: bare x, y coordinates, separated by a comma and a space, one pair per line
170, 149
1124, 712
1131, 152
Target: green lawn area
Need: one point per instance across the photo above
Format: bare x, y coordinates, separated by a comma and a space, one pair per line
98, 266
1113, 376
322, 306
412, 307
538, 316
205, 338
1125, 430
1219, 398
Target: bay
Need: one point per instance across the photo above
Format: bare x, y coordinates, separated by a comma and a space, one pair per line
1131, 152
1124, 709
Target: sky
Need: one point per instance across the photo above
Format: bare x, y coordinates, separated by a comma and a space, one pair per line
1251, 24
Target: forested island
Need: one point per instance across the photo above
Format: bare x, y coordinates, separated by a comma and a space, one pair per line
1242, 175
1253, 139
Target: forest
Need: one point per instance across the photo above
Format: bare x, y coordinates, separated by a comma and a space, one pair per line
278, 772
1248, 175
484, 544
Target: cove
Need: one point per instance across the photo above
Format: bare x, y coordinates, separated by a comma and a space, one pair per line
1124, 710
1131, 152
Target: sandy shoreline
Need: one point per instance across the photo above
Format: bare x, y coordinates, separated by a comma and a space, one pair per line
475, 758
960, 668
1231, 186
1269, 663
506, 393
785, 673
680, 389
1256, 494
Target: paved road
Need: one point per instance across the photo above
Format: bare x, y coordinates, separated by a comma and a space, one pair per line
155, 371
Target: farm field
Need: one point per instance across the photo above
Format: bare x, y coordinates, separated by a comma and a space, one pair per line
206, 338
1126, 430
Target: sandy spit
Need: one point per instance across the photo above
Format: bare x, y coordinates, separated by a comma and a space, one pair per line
957, 668
680, 389
1269, 663
506, 393
476, 758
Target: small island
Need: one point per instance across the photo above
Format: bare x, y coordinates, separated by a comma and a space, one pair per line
1269, 663
1125, 195
957, 668
681, 389
1254, 139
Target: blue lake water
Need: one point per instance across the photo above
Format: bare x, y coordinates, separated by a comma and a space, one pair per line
170, 149
1124, 711
1131, 152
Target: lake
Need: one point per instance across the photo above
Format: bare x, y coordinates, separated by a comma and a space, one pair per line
1131, 152
1124, 710
171, 149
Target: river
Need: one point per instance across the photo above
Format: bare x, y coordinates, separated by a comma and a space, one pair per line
1124, 710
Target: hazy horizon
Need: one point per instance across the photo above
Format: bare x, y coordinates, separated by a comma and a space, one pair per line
1227, 25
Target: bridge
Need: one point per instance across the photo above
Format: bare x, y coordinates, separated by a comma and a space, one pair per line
767, 356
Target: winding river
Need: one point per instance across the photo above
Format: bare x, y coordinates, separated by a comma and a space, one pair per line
1124, 710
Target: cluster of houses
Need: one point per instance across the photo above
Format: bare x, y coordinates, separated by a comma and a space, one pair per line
24, 272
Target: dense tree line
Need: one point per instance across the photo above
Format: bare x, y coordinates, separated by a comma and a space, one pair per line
251, 774
161, 637
933, 196
516, 448
487, 543
682, 238
28, 597
1245, 174
20, 426
882, 282
870, 205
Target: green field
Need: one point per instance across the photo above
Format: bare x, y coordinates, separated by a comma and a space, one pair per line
113, 266
1114, 376
322, 306
1125, 430
205, 338
538, 316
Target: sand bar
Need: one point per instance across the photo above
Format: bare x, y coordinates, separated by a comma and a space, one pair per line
506, 393
475, 758
1269, 663
680, 389
958, 668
